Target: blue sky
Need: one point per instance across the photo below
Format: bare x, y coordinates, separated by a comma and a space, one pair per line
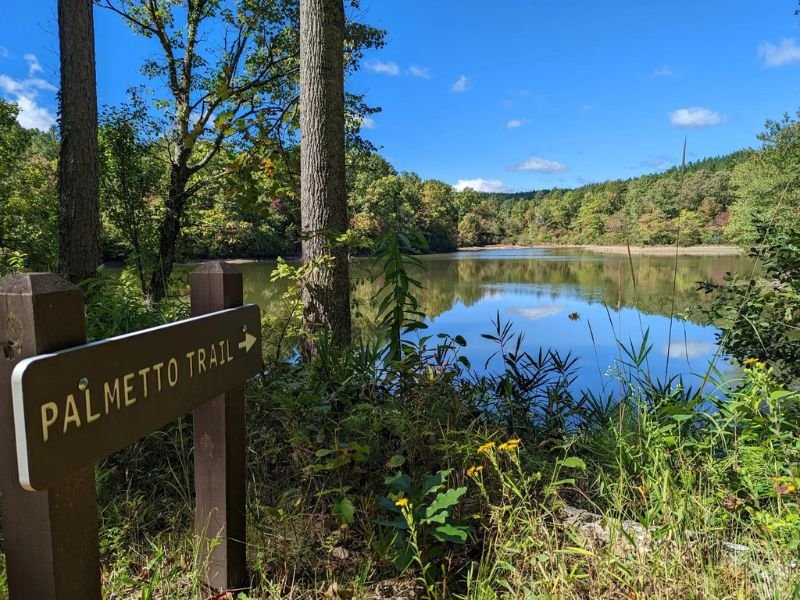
514, 94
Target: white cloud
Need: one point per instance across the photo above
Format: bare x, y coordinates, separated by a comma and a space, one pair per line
785, 53
695, 117
417, 71
540, 165
34, 66
664, 71
687, 348
21, 86
25, 92
482, 185
516, 123
33, 116
462, 85
367, 123
383, 68
540, 312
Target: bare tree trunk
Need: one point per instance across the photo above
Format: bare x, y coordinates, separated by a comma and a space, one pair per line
79, 209
323, 197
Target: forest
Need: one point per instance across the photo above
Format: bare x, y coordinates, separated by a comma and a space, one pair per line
250, 207
381, 461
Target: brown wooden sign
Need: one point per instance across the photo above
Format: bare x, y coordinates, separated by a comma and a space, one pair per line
75, 407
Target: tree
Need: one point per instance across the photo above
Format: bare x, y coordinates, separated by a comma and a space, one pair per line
767, 184
130, 178
28, 194
758, 315
79, 209
439, 215
29, 215
231, 72
14, 143
323, 196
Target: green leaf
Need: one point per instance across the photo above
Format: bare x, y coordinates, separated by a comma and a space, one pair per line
573, 462
403, 558
456, 534
561, 482
399, 482
344, 511
398, 523
434, 482
437, 511
398, 460
682, 417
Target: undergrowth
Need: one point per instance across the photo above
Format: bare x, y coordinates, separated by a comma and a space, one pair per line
399, 470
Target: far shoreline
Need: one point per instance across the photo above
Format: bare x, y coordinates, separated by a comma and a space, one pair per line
703, 250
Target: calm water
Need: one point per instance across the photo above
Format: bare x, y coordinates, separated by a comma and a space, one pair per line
538, 290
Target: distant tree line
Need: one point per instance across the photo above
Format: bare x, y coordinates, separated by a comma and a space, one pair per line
252, 209
690, 206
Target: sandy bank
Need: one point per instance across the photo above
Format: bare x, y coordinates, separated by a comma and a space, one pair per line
645, 250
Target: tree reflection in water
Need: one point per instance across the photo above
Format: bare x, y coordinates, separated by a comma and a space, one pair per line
554, 296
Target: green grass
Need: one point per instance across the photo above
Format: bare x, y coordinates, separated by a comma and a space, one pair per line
697, 483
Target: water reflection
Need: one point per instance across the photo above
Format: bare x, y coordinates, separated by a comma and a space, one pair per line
566, 299
534, 314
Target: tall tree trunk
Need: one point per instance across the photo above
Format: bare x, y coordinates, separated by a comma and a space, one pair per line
175, 207
79, 208
323, 197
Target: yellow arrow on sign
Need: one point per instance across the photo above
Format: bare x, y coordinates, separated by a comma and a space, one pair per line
248, 342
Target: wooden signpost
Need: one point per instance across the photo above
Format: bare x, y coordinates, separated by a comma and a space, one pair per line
72, 405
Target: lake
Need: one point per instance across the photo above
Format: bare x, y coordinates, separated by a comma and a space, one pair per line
567, 299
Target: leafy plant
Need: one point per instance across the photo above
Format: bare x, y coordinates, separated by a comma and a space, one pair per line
11, 261
398, 309
759, 316
424, 520
528, 391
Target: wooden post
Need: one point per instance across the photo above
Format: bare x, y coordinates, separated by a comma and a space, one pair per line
51, 536
219, 450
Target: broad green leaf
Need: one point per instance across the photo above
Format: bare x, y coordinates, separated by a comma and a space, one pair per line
451, 533
398, 460
573, 462
434, 482
437, 511
344, 510
399, 482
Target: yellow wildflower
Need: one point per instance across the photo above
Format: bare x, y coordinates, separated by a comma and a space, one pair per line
754, 362
511, 445
474, 470
401, 502
485, 448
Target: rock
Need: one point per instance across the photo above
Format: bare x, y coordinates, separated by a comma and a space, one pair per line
735, 549
336, 591
625, 537
340, 553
